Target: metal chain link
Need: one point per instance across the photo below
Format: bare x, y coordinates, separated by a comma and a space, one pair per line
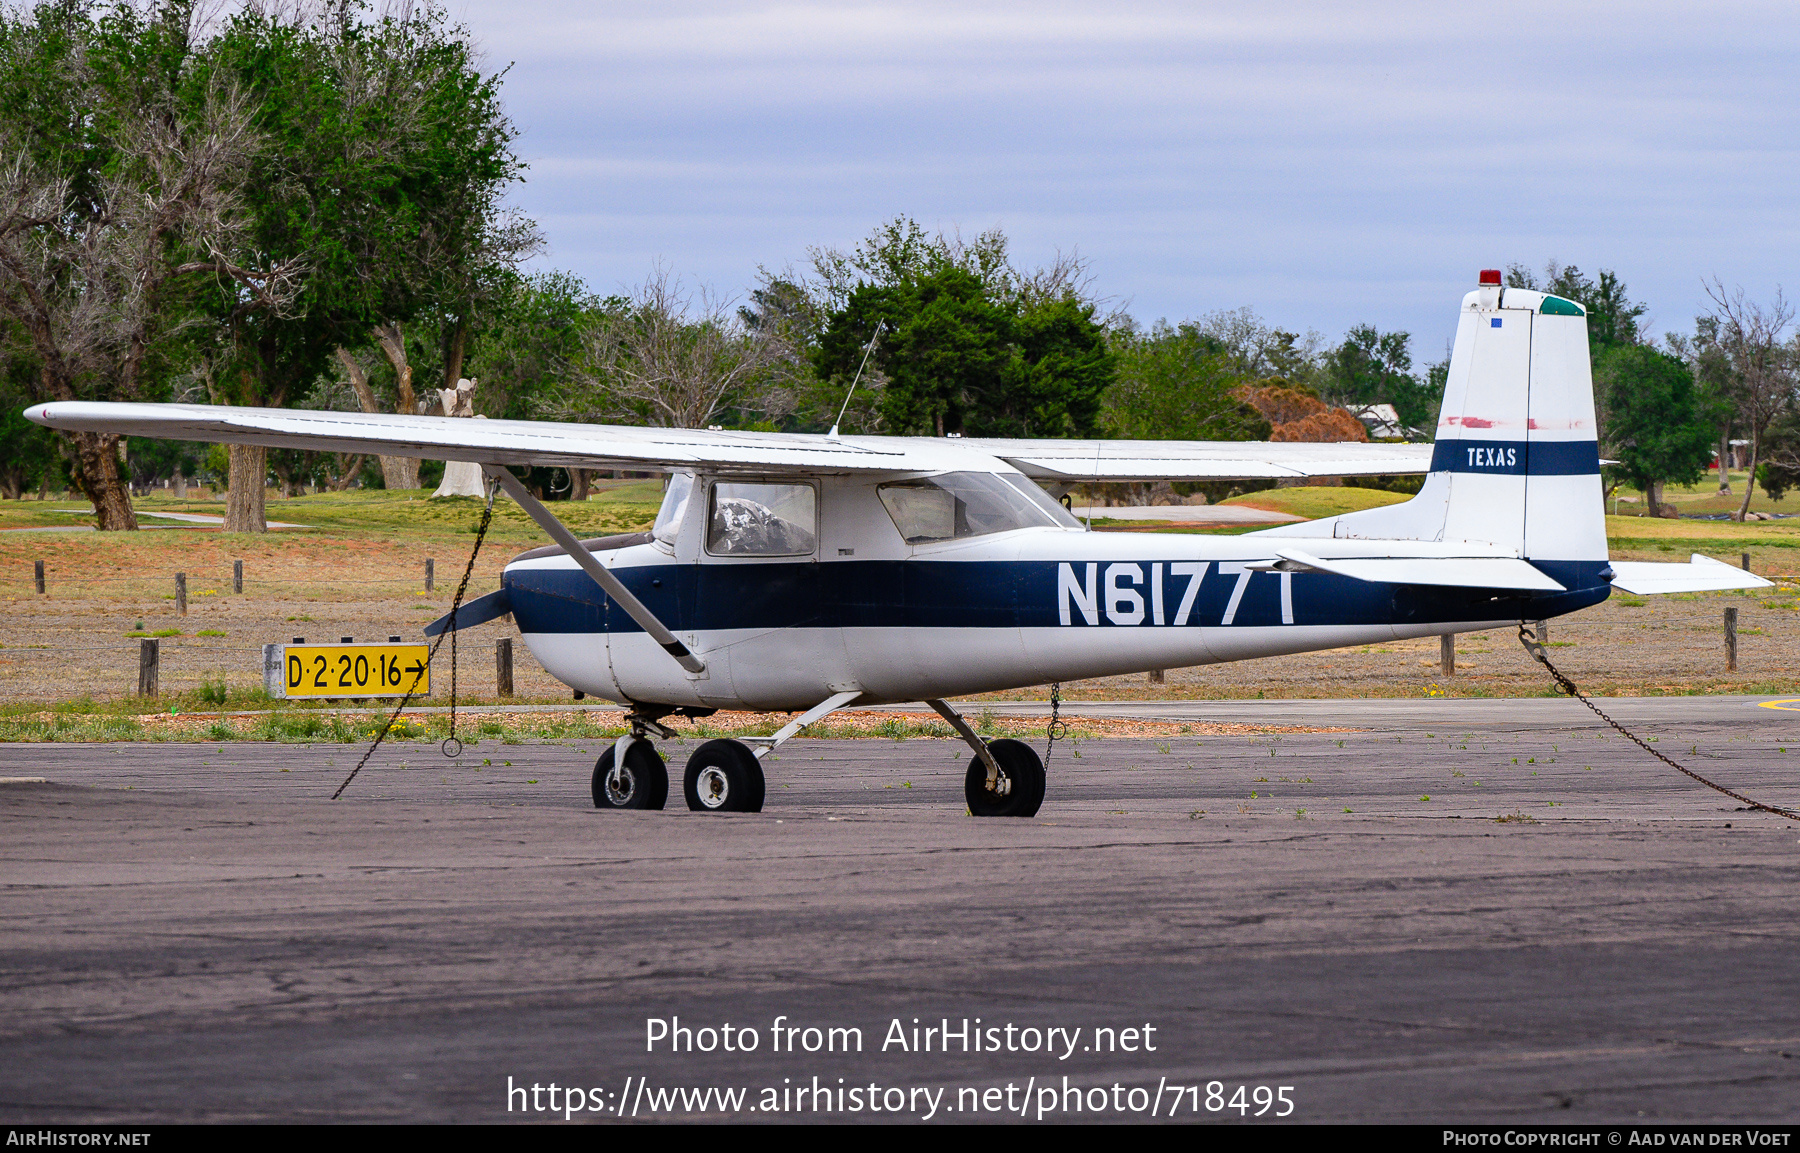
487, 516
1057, 728
1536, 648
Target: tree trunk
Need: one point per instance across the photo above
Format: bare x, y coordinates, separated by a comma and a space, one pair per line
347, 471
244, 499
1725, 459
1750, 480
396, 471
97, 475
454, 350
578, 483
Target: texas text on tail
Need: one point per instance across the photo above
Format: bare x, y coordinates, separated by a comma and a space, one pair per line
807, 573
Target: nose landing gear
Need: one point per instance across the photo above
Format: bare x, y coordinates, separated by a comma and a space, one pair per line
631, 774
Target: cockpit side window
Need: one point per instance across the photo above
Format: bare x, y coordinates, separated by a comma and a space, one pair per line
762, 519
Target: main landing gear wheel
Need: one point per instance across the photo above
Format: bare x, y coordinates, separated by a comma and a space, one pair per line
724, 777
643, 782
1021, 778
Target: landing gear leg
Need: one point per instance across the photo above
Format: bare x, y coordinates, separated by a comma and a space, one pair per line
1005, 777
631, 774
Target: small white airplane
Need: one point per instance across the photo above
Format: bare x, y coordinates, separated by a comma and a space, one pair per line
808, 573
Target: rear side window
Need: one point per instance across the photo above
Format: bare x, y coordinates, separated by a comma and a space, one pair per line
962, 504
758, 519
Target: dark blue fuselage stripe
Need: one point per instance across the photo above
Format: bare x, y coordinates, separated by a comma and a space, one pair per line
1517, 457
1007, 594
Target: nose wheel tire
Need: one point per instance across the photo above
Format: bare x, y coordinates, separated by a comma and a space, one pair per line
1021, 776
723, 777
643, 782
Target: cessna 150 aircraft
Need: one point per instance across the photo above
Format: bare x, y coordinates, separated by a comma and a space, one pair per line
807, 573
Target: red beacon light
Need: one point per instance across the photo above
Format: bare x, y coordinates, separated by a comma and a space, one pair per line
1490, 276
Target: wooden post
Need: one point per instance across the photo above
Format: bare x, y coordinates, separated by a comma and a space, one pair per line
1746, 562
149, 666
1447, 653
1158, 677
1543, 632
430, 572
237, 577
503, 682
39, 567
1731, 640
181, 593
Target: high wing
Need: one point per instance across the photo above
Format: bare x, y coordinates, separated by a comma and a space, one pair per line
600, 446
1138, 460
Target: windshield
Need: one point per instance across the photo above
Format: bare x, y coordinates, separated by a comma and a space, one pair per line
674, 507
963, 504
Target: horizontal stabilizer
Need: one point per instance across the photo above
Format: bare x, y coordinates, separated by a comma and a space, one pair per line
1700, 575
1483, 572
479, 611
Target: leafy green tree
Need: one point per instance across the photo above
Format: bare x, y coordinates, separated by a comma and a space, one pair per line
1372, 367
1179, 383
955, 359
1655, 424
387, 149
1612, 319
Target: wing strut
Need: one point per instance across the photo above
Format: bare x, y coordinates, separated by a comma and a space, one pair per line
602, 577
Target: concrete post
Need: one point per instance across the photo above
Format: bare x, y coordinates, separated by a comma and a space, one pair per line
275, 670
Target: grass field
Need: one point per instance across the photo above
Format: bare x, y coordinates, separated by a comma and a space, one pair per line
1314, 502
358, 568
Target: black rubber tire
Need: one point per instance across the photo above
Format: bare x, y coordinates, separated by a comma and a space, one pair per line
647, 779
733, 779
1019, 764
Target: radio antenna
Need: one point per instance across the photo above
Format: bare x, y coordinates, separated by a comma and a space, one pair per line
867, 349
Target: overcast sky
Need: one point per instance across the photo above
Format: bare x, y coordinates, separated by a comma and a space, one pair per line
1324, 164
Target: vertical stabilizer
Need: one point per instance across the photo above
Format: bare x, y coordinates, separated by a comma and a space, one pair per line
1516, 463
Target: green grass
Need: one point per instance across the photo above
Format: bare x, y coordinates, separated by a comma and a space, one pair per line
1315, 501
622, 506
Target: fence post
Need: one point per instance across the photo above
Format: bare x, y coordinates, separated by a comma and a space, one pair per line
237, 577
181, 593
1158, 676
503, 666
39, 567
149, 666
1731, 640
1543, 632
1447, 653
1746, 562
430, 572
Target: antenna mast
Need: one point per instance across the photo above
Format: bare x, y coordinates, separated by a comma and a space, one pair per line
867, 349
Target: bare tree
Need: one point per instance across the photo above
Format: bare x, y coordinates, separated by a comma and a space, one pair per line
1751, 337
666, 358
91, 257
